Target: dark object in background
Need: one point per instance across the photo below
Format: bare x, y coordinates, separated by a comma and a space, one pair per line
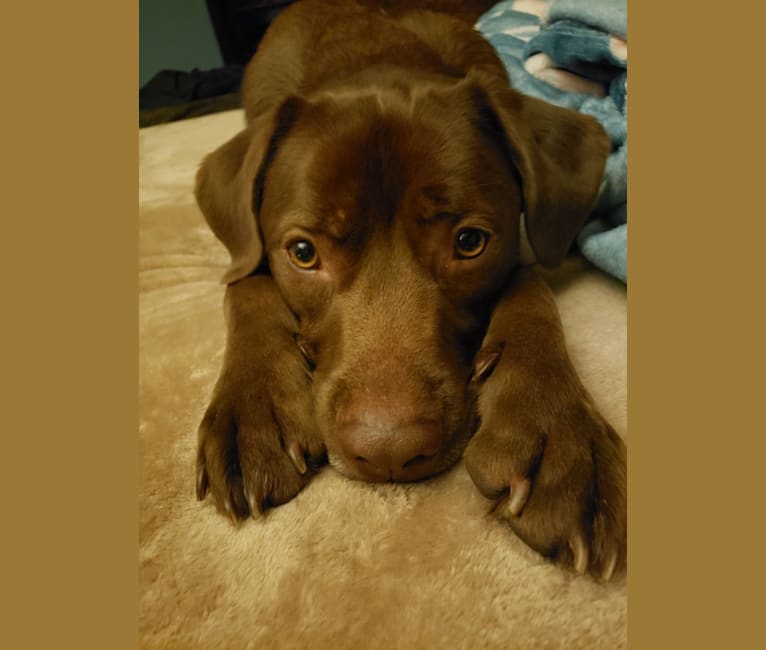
175, 95
172, 95
173, 87
240, 25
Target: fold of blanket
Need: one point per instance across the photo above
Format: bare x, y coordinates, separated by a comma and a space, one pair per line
575, 55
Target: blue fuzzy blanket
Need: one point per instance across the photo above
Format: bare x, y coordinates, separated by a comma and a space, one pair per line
574, 53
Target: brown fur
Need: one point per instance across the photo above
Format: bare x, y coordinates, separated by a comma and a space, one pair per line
377, 134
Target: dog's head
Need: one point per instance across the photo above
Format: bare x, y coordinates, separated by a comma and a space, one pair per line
390, 220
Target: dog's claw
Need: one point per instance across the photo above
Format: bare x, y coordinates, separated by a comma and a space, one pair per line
255, 512
519, 494
296, 455
230, 511
609, 567
485, 363
580, 553
202, 483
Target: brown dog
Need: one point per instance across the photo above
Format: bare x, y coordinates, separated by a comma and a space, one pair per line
377, 206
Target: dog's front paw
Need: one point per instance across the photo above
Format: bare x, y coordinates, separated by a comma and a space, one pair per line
258, 441
561, 486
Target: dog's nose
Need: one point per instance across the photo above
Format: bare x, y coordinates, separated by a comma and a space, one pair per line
382, 449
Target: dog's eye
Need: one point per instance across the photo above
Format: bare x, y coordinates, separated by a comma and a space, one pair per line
303, 254
470, 242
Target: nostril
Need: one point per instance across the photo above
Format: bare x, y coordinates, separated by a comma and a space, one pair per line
417, 460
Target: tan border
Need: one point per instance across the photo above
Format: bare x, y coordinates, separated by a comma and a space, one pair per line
693, 466
69, 325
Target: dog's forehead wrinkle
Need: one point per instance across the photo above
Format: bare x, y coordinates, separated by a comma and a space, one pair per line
298, 218
388, 87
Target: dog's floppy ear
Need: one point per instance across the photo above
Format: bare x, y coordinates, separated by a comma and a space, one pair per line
229, 185
560, 155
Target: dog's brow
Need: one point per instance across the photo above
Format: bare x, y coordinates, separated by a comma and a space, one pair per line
300, 219
436, 195
438, 217
334, 224
337, 223
434, 206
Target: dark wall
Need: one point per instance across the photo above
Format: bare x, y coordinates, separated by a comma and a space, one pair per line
175, 35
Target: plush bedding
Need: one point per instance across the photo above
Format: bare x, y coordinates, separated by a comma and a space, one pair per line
575, 54
345, 564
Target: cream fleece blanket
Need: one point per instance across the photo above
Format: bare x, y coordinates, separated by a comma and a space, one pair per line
345, 564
